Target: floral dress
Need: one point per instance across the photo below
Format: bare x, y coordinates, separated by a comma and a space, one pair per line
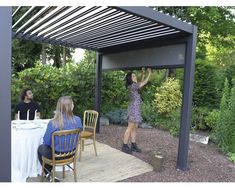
134, 113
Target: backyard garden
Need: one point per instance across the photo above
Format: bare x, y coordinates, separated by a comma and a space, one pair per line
213, 93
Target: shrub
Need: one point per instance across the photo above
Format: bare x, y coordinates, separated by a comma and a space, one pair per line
148, 91
174, 122
149, 114
168, 97
224, 132
199, 115
114, 94
118, 116
77, 80
212, 118
231, 157
229, 74
49, 83
206, 85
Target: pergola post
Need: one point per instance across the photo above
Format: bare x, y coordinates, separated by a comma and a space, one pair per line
182, 160
5, 93
98, 87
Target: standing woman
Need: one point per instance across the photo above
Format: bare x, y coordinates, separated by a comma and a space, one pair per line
64, 119
134, 114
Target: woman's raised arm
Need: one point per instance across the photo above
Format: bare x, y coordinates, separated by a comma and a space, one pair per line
145, 81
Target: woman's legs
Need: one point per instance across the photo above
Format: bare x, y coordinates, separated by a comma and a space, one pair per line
45, 151
134, 132
134, 147
128, 132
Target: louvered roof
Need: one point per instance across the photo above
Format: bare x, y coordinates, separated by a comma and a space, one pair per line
95, 27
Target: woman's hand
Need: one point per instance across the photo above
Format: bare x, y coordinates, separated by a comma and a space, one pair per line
142, 74
145, 81
143, 70
149, 70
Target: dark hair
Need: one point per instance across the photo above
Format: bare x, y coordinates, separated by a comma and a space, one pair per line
24, 93
129, 79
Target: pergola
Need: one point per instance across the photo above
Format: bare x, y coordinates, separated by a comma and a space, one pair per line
123, 37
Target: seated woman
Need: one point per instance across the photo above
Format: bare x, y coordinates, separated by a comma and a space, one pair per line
63, 120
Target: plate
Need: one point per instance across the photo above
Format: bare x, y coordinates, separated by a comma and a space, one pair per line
27, 126
19, 121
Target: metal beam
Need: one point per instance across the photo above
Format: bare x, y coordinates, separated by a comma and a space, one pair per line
5, 94
156, 16
98, 88
182, 160
35, 39
147, 43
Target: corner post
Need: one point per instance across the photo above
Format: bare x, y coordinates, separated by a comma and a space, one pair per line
185, 124
98, 88
5, 93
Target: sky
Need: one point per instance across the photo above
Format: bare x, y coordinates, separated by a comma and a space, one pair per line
78, 55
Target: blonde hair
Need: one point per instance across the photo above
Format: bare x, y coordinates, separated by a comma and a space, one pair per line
64, 107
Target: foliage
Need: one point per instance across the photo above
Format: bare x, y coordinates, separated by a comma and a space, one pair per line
55, 53
230, 73
148, 112
168, 96
231, 127
171, 122
206, 86
114, 94
148, 91
231, 157
49, 83
224, 132
118, 117
216, 25
113, 86
174, 122
77, 80
199, 115
24, 54
212, 118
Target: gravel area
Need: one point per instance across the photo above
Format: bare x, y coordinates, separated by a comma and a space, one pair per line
206, 163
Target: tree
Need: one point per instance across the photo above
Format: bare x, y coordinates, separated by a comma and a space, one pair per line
216, 31
225, 129
24, 54
57, 54
206, 87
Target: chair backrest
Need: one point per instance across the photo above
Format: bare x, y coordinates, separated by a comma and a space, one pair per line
90, 120
65, 143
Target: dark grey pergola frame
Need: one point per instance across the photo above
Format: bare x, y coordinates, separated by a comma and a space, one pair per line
138, 28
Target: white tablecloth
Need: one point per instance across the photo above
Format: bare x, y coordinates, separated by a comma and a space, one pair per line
24, 145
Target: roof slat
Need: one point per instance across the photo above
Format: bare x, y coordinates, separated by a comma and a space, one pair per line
43, 20
36, 16
25, 14
109, 29
80, 22
124, 37
97, 27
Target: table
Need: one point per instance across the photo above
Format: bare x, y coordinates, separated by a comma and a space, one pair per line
26, 136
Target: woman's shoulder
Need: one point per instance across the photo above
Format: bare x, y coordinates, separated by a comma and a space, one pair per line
50, 125
76, 117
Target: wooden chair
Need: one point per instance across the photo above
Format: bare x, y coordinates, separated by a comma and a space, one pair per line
89, 129
65, 153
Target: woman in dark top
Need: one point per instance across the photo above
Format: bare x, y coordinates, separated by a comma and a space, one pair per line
134, 114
